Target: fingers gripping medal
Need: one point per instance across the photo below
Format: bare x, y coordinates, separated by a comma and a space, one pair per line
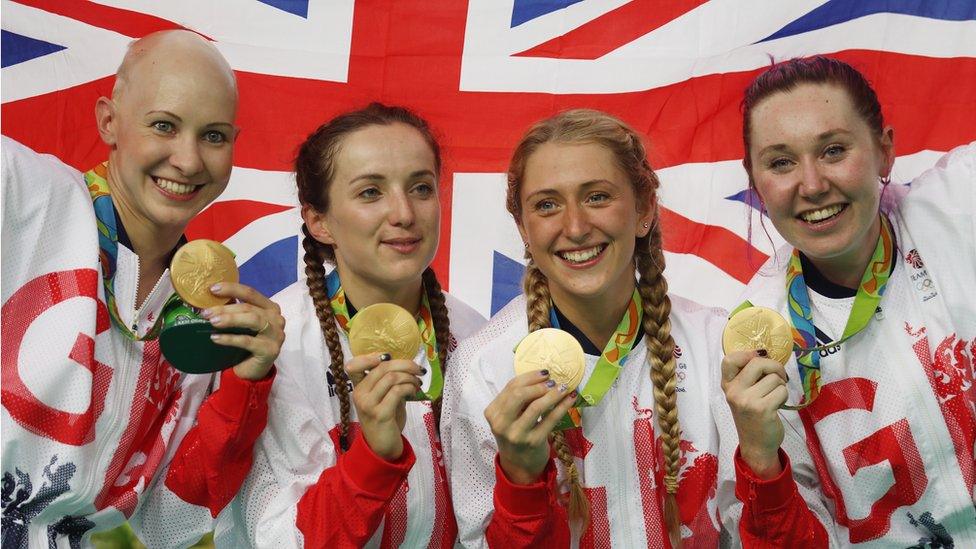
185, 338
389, 328
554, 350
760, 328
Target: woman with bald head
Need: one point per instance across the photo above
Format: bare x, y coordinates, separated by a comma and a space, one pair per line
97, 426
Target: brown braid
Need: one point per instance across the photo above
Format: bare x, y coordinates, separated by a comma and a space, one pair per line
653, 289
537, 303
442, 329
315, 256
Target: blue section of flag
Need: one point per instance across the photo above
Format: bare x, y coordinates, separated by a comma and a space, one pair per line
747, 197
297, 7
840, 11
527, 10
15, 48
274, 268
506, 281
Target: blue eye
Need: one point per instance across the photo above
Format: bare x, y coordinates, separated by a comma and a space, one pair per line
545, 206
163, 126
369, 193
834, 151
780, 164
215, 137
598, 197
425, 190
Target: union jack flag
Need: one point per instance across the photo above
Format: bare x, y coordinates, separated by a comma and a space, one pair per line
483, 70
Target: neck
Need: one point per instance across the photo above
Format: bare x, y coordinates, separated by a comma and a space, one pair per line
150, 243
597, 317
362, 295
848, 270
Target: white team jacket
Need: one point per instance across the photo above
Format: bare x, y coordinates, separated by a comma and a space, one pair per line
618, 439
297, 444
89, 417
890, 441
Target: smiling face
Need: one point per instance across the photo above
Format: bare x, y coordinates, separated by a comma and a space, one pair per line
580, 219
383, 218
170, 126
816, 165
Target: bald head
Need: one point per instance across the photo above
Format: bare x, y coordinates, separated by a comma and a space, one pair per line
163, 52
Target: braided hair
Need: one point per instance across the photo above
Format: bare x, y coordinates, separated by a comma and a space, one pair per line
315, 167
589, 126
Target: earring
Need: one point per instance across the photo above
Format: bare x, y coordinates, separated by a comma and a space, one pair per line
647, 225
885, 180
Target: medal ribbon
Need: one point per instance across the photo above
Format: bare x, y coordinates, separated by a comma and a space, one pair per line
425, 322
869, 292
610, 363
108, 250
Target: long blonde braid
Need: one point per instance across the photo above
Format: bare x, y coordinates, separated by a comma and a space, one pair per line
653, 289
537, 304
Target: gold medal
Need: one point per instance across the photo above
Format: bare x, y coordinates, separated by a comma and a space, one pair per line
384, 328
756, 328
198, 265
554, 350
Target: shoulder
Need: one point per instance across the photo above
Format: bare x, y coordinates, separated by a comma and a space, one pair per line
39, 175
488, 352
947, 187
294, 300
465, 321
767, 285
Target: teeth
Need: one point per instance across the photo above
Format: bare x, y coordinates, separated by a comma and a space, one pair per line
174, 187
821, 214
580, 256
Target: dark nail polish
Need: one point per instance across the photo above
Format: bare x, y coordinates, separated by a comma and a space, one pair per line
384, 357
762, 353
550, 384
574, 394
423, 371
543, 372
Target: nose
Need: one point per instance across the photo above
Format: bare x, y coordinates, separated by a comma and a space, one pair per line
185, 155
576, 223
401, 212
812, 181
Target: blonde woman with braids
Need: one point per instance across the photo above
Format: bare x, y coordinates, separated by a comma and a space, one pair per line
632, 474
341, 448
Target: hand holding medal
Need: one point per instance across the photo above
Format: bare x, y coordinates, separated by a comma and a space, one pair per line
216, 322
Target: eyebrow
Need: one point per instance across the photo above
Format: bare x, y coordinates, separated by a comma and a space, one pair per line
780, 147
584, 185
379, 177
178, 119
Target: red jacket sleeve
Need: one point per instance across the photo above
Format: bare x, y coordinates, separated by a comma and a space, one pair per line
773, 512
355, 493
527, 515
215, 455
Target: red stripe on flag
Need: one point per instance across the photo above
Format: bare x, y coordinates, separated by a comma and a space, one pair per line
717, 245
122, 21
223, 219
612, 30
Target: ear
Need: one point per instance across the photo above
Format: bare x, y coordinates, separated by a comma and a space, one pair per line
887, 150
317, 227
106, 117
523, 234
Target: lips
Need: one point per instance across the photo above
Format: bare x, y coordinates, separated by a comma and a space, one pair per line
582, 255
402, 245
176, 190
821, 215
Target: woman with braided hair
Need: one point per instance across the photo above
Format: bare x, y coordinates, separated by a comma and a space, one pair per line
585, 202
344, 440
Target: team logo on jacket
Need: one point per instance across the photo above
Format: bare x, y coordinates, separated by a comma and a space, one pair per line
681, 368
921, 280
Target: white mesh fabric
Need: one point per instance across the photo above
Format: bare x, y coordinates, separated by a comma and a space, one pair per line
616, 441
